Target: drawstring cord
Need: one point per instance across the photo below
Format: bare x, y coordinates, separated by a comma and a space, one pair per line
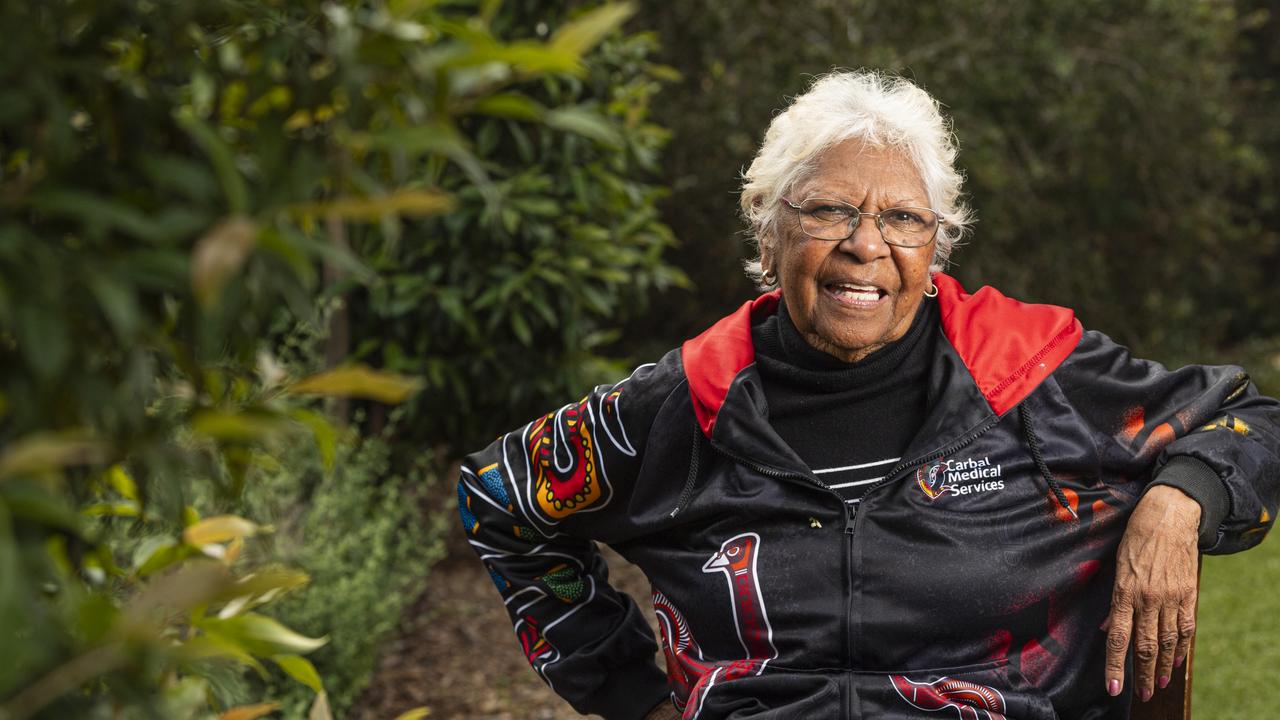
1029, 433
693, 471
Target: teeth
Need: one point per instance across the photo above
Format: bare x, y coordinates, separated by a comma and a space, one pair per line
859, 293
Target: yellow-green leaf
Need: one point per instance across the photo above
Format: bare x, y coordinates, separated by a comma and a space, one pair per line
414, 714
122, 482
261, 635
120, 509
42, 452
219, 528
300, 669
205, 647
325, 434
359, 381
509, 105
157, 553
219, 255
260, 587
411, 203
223, 425
249, 712
585, 32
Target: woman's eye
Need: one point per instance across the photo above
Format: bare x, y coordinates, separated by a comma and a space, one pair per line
904, 217
829, 213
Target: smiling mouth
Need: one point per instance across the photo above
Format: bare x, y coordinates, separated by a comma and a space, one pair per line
855, 294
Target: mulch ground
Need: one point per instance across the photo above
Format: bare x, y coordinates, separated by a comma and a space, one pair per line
455, 652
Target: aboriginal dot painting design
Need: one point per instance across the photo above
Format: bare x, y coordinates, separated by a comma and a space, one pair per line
565, 583
566, 476
469, 520
563, 449
491, 480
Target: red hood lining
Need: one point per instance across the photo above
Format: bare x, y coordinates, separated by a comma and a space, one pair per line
1008, 346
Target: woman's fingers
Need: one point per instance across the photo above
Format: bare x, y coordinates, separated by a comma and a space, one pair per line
1153, 603
1168, 642
1119, 623
1146, 644
1186, 628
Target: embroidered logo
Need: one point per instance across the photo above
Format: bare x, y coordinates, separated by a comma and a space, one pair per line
959, 477
929, 478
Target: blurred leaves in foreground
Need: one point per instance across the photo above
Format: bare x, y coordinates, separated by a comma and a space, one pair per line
183, 186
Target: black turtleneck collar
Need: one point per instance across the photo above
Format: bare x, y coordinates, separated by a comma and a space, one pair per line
782, 350
848, 422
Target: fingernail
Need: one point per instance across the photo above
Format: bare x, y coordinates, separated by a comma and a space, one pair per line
1164, 681
1144, 694
1113, 687
1177, 662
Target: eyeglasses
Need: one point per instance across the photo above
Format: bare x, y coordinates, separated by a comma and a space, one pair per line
835, 220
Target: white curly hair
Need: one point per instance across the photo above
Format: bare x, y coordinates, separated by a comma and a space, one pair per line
880, 109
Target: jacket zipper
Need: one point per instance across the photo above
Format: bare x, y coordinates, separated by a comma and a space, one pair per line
848, 532
851, 514
892, 476
951, 449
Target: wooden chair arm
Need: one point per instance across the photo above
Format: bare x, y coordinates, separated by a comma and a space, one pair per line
1173, 702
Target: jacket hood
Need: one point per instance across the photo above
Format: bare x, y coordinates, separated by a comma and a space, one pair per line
1009, 347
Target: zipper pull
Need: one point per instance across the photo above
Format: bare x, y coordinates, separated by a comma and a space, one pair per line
851, 512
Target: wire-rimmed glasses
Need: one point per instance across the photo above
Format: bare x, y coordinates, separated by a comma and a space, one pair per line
826, 219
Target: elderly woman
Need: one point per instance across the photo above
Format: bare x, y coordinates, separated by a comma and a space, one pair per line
869, 493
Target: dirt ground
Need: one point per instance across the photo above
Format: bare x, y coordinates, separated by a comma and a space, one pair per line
455, 652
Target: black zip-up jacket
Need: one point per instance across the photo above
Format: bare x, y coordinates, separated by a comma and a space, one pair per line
972, 579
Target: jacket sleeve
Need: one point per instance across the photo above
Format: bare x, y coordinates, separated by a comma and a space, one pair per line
531, 505
1204, 429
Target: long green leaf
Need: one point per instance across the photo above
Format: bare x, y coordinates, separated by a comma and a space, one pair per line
300, 669
586, 122
359, 380
260, 635
588, 30
222, 159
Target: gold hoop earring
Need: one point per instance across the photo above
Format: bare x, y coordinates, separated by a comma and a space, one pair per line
934, 292
769, 277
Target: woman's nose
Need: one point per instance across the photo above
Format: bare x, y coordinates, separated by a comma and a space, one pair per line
866, 243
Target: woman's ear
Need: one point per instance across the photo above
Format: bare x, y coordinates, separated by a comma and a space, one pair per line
768, 252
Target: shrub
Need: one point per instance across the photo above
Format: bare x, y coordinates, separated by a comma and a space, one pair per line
363, 536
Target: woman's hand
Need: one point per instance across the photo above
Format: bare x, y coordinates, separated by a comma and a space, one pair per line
663, 711
1154, 601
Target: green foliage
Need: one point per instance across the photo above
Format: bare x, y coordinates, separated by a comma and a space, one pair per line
1236, 647
360, 533
505, 304
1125, 177
175, 179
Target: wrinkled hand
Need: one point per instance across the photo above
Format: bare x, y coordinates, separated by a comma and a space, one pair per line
1154, 600
663, 711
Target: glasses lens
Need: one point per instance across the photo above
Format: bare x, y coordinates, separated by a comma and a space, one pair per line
909, 226
826, 219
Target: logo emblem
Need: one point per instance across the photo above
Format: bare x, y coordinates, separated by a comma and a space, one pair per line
931, 478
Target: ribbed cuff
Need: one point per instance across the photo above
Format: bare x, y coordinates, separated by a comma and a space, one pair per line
1199, 481
630, 691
